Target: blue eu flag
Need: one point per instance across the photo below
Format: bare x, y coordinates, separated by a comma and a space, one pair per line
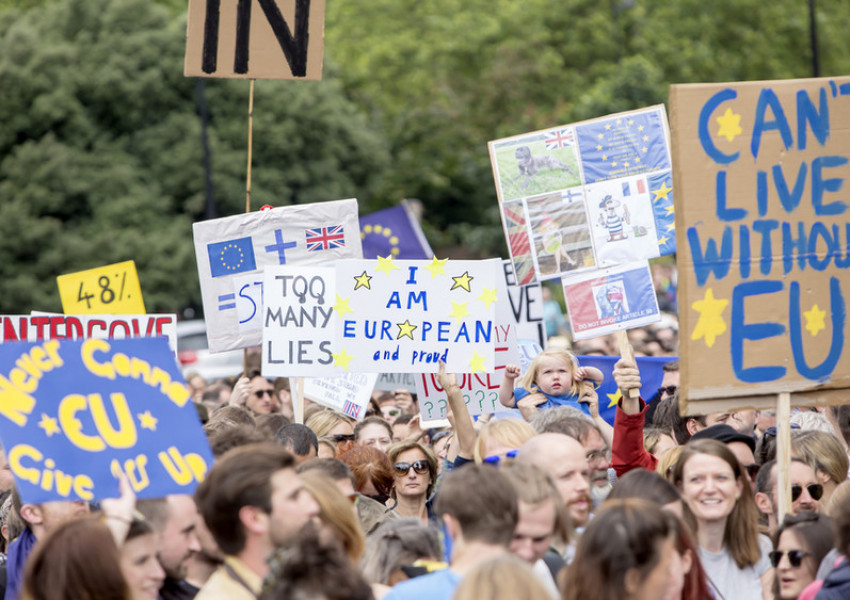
231, 257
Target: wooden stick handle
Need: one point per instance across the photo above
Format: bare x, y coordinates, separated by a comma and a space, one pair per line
627, 353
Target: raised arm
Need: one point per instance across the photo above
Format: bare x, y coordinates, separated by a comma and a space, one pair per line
464, 430
506, 390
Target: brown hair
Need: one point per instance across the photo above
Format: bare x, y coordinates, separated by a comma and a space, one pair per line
483, 502
371, 421
534, 486
242, 477
431, 458
78, 561
814, 532
370, 464
741, 534
624, 535
839, 510
502, 578
234, 413
336, 512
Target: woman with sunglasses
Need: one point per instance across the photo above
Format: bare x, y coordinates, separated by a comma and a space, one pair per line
414, 475
720, 509
802, 542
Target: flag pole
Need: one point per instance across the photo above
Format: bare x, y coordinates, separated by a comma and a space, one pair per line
248, 181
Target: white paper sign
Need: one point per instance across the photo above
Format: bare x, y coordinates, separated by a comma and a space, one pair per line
348, 394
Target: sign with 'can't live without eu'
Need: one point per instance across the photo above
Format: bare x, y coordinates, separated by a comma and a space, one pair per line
74, 414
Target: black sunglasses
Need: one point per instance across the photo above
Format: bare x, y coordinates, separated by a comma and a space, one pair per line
261, 393
753, 470
403, 468
815, 491
795, 557
670, 389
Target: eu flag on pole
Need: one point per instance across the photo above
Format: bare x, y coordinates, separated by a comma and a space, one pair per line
231, 256
393, 232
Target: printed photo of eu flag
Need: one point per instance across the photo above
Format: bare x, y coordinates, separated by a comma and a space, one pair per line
231, 257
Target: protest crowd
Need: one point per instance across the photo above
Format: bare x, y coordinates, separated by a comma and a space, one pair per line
548, 501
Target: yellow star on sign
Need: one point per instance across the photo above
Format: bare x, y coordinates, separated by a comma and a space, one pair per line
671, 226
147, 420
711, 323
662, 240
476, 363
437, 267
363, 281
49, 425
341, 307
614, 398
342, 359
670, 209
405, 330
661, 192
488, 296
730, 125
386, 265
459, 310
462, 282
814, 320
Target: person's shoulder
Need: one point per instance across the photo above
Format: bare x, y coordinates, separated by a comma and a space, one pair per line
434, 586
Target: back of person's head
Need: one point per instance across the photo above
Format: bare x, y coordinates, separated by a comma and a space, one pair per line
578, 428
335, 510
766, 447
312, 566
232, 437
810, 420
511, 433
332, 468
841, 414
502, 578
619, 548
77, 561
268, 425
397, 543
234, 413
822, 452
242, 477
839, 512
544, 418
482, 501
370, 465
649, 485
298, 439
324, 421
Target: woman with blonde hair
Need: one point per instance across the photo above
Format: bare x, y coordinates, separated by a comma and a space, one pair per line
720, 509
334, 427
336, 512
499, 438
827, 458
502, 578
414, 477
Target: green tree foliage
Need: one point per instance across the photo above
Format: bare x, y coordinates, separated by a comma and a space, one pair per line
100, 154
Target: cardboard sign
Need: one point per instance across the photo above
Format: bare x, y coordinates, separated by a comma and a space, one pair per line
38, 327
526, 302
112, 289
609, 300
405, 316
73, 414
348, 394
587, 195
266, 39
298, 323
761, 220
232, 252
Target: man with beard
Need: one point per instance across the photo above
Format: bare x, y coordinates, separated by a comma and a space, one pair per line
252, 501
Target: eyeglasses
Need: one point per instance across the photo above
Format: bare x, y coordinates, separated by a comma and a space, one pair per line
795, 557
815, 491
669, 390
497, 458
342, 437
419, 466
598, 455
261, 393
753, 470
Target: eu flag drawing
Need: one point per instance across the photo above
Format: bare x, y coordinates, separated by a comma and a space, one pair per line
231, 257
394, 232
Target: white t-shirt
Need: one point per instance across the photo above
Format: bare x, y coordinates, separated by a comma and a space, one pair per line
731, 582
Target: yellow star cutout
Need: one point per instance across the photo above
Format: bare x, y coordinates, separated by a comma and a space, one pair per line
476, 363
671, 226
405, 329
363, 281
487, 297
341, 307
614, 398
711, 323
386, 264
730, 125
437, 267
462, 282
662, 240
459, 310
661, 192
49, 425
670, 209
147, 420
814, 320
342, 359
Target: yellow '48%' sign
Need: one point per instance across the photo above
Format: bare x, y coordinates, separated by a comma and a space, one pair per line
112, 289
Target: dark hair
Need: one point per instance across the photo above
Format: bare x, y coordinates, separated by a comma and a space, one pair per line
223, 440
670, 367
298, 438
269, 425
242, 477
234, 413
814, 532
373, 421
396, 449
842, 417
403, 419
483, 502
77, 561
332, 467
649, 485
577, 428
678, 423
624, 535
395, 543
370, 464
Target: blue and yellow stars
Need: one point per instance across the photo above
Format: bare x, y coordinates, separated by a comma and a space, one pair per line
147, 420
661, 193
363, 281
462, 282
815, 320
614, 398
711, 323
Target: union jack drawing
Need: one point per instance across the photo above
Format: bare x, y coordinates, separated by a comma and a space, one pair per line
351, 409
558, 138
325, 238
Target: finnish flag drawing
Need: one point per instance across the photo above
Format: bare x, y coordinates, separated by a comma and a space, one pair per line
233, 251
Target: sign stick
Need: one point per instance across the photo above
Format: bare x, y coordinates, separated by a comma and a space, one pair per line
783, 453
298, 399
248, 178
627, 353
